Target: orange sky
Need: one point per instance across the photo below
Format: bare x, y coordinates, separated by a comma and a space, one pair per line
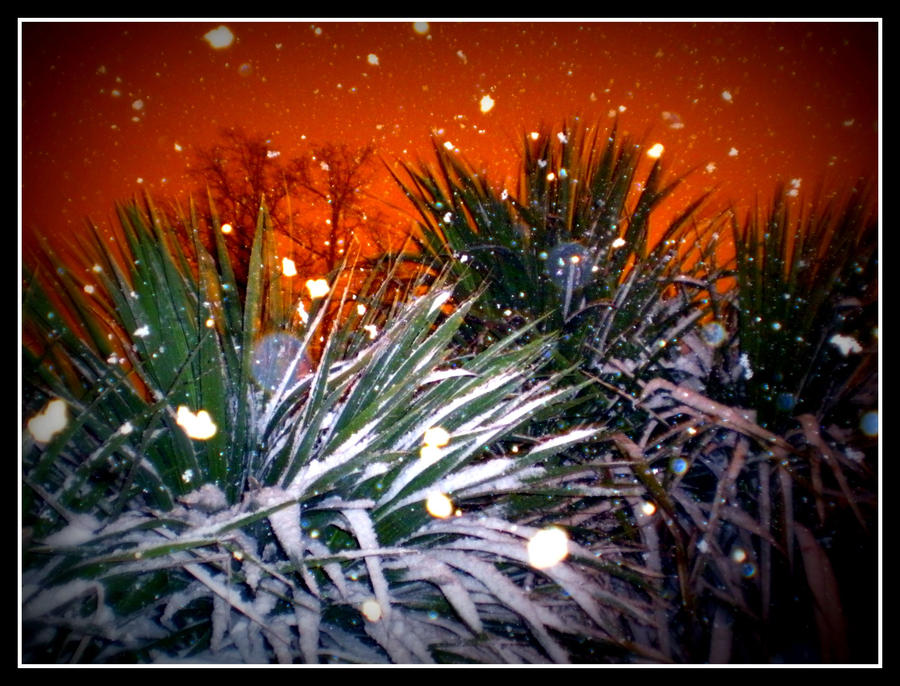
109, 109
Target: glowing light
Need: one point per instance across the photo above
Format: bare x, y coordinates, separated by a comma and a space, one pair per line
288, 268
371, 610
534, 135
49, 422
618, 243
436, 437
178, 148
648, 508
655, 150
726, 96
219, 38
738, 554
89, 289
547, 547
439, 505
227, 228
372, 330
210, 323
372, 59
360, 309
199, 426
420, 27
318, 288
551, 176
487, 104
448, 145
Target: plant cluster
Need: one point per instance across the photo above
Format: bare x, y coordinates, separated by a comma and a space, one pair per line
545, 435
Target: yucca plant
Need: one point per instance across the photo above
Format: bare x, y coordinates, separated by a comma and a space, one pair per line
571, 247
765, 469
807, 304
197, 489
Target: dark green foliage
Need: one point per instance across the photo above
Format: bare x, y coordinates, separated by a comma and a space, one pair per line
603, 395
571, 249
802, 282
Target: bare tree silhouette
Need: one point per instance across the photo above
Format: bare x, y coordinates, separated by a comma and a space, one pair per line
335, 179
318, 202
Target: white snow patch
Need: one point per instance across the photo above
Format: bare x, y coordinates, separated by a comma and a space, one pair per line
745, 365
846, 344
81, 528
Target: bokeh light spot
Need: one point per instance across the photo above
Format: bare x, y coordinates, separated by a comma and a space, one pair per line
655, 151
199, 426
439, 505
219, 38
868, 424
50, 421
318, 288
547, 547
371, 610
